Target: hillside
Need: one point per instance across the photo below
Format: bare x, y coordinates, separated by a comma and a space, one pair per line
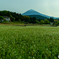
33, 13
38, 17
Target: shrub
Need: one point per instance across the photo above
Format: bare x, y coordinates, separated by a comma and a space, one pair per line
57, 23
37, 21
41, 22
46, 21
1, 19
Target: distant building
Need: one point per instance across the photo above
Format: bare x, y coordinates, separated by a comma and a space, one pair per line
6, 18
51, 23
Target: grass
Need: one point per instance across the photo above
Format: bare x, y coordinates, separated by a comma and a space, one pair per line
29, 42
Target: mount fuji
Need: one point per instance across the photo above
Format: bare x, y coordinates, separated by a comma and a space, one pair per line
33, 13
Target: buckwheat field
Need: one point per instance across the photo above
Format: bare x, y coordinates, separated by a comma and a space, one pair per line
29, 42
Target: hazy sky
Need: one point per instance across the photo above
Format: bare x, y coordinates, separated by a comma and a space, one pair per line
47, 7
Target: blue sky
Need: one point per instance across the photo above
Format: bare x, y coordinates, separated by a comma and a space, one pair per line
47, 7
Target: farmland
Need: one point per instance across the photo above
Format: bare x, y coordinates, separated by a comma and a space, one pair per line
29, 42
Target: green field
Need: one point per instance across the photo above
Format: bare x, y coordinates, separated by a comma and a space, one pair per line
29, 42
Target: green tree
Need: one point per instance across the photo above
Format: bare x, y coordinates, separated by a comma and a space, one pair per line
19, 20
12, 18
51, 19
1, 19
46, 21
26, 19
41, 22
56, 23
55, 20
37, 21
4, 13
33, 20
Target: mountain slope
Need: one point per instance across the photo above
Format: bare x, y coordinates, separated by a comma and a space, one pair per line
38, 17
33, 13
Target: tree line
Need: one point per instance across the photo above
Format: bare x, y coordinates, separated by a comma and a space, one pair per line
25, 19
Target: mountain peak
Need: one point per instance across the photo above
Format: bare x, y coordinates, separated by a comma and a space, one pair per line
31, 12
